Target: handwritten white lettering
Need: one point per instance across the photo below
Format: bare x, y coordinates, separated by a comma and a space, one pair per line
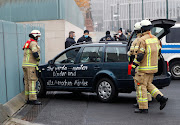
82, 67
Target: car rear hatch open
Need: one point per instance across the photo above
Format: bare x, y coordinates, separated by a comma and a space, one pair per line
162, 27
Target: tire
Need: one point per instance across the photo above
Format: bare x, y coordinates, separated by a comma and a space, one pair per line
41, 92
105, 90
175, 69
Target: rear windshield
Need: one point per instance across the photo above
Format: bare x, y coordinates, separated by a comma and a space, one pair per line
115, 54
173, 36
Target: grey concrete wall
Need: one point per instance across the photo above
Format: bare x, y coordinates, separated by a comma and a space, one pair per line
12, 38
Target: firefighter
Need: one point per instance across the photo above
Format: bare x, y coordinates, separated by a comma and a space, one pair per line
30, 65
131, 54
147, 62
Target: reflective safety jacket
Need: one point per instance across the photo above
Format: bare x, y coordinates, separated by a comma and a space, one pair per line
149, 45
131, 52
134, 46
29, 48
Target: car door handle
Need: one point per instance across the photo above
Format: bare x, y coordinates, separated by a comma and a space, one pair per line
96, 67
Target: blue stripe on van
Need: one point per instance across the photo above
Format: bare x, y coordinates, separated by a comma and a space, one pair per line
170, 51
170, 46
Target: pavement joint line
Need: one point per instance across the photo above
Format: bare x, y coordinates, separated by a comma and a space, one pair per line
85, 118
19, 122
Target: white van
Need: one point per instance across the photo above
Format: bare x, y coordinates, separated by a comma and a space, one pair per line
171, 50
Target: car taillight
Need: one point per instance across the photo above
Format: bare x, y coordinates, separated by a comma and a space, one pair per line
167, 66
129, 69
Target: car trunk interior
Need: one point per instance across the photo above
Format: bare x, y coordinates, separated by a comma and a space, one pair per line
161, 66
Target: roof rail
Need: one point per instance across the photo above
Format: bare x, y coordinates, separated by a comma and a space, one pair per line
81, 43
123, 42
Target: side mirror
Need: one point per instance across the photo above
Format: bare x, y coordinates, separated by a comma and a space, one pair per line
51, 62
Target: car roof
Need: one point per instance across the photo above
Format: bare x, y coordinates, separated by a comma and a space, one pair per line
99, 44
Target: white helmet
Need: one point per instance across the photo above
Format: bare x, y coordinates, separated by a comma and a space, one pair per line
146, 25
36, 33
137, 26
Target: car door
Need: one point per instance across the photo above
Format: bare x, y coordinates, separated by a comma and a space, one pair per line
116, 61
58, 73
90, 62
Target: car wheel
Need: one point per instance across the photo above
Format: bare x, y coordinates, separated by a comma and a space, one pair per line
106, 90
41, 92
175, 69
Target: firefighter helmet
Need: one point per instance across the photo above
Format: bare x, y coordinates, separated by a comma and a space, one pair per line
35, 33
137, 26
146, 25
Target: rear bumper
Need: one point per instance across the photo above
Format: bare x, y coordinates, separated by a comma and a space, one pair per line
162, 81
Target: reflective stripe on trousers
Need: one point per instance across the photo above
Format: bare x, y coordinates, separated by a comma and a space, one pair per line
140, 99
154, 91
33, 89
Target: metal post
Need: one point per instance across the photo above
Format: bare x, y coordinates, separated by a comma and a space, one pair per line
118, 14
129, 16
112, 16
167, 8
142, 9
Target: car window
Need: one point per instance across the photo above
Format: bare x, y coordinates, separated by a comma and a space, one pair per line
116, 54
68, 57
157, 31
173, 36
91, 54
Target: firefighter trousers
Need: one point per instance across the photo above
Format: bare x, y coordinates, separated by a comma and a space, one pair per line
30, 80
149, 97
144, 84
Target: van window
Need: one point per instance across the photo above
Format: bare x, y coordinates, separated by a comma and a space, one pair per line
173, 36
116, 54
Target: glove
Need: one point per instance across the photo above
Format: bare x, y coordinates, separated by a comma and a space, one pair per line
133, 71
38, 59
133, 68
37, 63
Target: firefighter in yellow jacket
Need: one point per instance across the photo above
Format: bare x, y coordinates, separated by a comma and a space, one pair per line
131, 54
30, 63
147, 62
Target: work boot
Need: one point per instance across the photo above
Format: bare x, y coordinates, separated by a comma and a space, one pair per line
136, 105
35, 102
162, 101
28, 102
144, 111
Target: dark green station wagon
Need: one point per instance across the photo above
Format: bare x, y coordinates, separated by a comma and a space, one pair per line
97, 67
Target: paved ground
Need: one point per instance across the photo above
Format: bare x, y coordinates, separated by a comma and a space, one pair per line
68, 109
